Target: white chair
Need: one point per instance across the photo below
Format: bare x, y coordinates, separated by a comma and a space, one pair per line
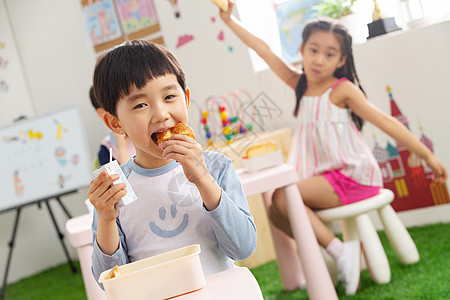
356, 225
80, 237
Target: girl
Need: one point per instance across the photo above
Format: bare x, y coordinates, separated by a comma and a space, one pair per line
334, 164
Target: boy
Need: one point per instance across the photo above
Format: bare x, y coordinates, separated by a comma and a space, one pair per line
184, 195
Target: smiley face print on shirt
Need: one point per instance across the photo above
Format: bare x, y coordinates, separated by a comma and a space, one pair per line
174, 219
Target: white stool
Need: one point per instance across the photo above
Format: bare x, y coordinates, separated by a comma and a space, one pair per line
356, 225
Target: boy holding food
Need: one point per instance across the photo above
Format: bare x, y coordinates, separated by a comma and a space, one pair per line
184, 195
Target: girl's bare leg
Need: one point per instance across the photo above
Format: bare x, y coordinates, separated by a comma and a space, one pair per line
317, 193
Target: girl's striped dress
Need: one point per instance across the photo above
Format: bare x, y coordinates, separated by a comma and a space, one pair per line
326, 139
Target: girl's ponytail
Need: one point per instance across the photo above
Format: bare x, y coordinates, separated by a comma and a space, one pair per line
299, 91
348, 69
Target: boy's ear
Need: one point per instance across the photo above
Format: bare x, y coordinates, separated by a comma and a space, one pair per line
301, 49
188, 97
100, 111
113, 123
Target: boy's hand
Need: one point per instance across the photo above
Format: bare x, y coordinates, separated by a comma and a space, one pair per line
189, 154
104, 195
226, 15
439, 171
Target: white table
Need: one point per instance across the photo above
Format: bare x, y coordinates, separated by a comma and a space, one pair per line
235, 284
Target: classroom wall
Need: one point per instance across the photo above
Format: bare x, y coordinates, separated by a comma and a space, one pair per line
12, 83
58, 62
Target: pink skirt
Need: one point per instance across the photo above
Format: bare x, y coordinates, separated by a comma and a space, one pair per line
349, 190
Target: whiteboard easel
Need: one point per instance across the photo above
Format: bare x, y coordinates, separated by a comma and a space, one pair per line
42, 158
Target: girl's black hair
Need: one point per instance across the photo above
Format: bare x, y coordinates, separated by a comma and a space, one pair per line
347, 70
132, 64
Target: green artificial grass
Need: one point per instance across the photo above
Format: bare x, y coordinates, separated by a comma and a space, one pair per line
55, 283
428, 279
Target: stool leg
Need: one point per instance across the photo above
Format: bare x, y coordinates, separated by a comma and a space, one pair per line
401, 241
291, 272
350, 233
376, 259
349, 229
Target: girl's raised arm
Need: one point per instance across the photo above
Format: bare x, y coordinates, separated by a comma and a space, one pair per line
286, 72
356, 101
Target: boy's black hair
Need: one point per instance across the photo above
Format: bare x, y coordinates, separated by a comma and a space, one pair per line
94, 101
347, 70
132, 64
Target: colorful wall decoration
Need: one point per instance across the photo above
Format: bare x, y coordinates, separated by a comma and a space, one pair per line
292, 17
138, 17
102, 23
405, 174
110, 22
176, 9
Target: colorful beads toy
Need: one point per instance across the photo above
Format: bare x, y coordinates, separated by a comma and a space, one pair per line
231, 126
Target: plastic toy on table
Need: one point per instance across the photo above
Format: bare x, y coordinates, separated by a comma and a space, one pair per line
229, 127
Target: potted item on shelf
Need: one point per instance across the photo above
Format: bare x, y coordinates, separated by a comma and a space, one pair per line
381, 23
335, 8
342, 10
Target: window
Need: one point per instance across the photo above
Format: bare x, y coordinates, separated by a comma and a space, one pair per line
414, 11
258, 17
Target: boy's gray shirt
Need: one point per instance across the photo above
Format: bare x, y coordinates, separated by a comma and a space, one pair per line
225, 234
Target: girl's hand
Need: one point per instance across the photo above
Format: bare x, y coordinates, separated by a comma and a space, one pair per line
226, 15
189, 154
104, 195
439, 171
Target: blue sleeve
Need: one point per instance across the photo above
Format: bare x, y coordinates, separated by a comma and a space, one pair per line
101, 261
233, 224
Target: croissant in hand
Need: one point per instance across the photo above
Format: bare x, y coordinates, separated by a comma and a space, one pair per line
179, 128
